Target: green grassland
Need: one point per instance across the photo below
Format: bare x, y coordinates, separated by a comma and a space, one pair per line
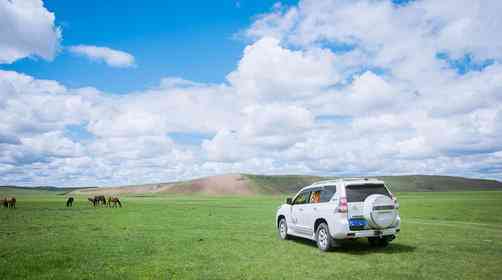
445, 235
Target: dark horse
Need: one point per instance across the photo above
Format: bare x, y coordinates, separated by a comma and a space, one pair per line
98, 199
9, 202
115, 201
69, 202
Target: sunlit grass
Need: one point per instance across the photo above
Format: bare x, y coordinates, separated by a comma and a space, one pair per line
444, 236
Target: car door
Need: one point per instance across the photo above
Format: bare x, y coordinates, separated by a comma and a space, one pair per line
311, 211
324, 208
298, 212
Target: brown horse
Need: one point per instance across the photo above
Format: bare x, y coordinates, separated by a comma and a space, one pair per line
97, 200
9, 202
115, 201
100, 199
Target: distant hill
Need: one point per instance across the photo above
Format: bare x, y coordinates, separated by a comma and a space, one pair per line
250, 184
230, 184
21, 190
420, 183
278, 184
405, 183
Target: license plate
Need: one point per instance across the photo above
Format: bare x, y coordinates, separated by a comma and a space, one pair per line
358, 223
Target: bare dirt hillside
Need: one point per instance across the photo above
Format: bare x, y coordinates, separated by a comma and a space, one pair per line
124, 190
231, 184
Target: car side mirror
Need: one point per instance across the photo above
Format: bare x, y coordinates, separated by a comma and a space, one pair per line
289, 201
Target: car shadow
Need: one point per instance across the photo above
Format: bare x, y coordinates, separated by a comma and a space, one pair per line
360, 246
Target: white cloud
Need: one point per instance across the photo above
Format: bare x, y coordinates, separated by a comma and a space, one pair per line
27, 28
270, 119
263, 128
225, 147
275, 24
111, 57
175, 106
268, 71
326, 87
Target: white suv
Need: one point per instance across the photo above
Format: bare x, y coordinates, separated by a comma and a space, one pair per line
347, 208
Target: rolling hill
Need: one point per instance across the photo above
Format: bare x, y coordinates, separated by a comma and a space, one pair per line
410, 183
249, 184
39, 190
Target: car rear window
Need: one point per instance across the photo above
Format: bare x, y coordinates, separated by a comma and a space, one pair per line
327, 193
357, 193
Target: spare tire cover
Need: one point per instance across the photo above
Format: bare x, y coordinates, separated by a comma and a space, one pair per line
379, 211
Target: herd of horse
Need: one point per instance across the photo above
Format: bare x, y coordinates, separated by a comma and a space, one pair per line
113, 201
97, 200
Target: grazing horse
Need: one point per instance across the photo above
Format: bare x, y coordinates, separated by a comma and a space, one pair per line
98, 199
69, 202
9, 202
115, 201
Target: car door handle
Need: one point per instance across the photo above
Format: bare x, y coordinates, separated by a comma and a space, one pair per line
300, 209
315, 208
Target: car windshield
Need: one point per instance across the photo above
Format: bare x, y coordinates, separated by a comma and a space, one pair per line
357, 193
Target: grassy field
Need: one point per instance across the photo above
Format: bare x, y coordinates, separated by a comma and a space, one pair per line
454, 235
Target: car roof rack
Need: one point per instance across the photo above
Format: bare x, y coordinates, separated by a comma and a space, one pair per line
342, 180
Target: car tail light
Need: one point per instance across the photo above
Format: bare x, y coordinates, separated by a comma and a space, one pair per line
342, 205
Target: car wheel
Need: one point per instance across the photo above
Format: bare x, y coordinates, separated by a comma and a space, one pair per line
383, 242
324, 240
282, 228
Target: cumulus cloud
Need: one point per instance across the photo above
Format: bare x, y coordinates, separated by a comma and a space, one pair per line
263, 128
268, 71
27, 28
325, 87
111, 57
174, 106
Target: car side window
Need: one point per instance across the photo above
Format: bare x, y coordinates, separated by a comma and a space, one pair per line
315, 197
327, 193
302, 198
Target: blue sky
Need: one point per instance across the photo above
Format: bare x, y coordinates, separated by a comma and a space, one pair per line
123, 92
197, 41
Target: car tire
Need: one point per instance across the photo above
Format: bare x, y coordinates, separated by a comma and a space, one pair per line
323, 238
282, 229
383, 242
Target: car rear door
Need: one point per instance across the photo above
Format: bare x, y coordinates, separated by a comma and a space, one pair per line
324, 208
357, 193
